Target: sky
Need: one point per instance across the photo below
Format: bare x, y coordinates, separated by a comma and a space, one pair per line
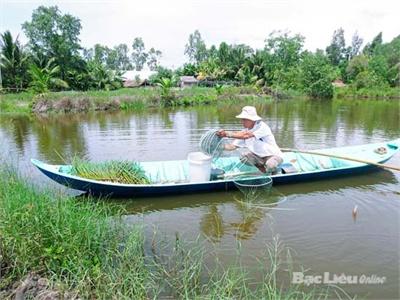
167, 24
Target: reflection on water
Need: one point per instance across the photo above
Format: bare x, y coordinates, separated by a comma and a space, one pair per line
211, 224
313, 218
250, 219
364, 182
148, 134
250, 216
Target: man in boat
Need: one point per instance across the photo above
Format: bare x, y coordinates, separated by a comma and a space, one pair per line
263, 152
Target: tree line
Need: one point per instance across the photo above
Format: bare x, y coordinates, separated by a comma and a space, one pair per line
284, 63
53, 59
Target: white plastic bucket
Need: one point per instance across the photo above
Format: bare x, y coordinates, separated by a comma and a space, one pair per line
199, 167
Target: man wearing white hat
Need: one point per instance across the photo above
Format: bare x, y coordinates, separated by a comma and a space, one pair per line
257, 137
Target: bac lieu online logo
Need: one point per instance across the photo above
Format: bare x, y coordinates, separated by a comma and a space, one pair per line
327, 278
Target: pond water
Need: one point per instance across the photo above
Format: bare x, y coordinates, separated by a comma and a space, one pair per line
312, 219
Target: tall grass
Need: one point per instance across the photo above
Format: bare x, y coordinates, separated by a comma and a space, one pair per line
85, 247
73, 242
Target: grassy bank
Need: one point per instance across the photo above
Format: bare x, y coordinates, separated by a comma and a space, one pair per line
141, 98
83, 248
125, 99
371, 93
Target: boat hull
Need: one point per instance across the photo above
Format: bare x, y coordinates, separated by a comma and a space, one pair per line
99, 188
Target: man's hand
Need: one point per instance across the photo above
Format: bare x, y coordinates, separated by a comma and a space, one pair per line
230, 147
222, 133
243, 135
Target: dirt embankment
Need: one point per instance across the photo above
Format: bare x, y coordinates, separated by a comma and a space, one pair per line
36, 287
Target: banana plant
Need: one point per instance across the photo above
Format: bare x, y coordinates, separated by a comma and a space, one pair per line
166, 85
45, 79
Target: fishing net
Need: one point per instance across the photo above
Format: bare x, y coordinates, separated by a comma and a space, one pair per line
211, 144
247, 178
253, 187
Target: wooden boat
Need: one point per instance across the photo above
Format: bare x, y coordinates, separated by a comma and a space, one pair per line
171, 177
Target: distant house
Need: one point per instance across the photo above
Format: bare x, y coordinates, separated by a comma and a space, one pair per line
136, 78
185, 81
338, 83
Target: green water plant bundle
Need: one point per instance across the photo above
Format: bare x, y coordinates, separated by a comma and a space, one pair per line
128, 172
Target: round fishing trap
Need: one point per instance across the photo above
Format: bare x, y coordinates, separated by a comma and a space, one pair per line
211, 144
247, 178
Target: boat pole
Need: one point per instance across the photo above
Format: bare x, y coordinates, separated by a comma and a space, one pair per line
343, 157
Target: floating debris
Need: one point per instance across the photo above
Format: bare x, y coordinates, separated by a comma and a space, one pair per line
354, 212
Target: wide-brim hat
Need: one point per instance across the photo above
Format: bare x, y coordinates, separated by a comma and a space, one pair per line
250, 113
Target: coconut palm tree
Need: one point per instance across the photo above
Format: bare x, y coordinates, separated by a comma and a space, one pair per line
13, 63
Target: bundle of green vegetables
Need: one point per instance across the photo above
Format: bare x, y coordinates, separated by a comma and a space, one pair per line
127, 172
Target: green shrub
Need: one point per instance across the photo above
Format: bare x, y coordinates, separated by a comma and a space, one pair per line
367, 79
317, 76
